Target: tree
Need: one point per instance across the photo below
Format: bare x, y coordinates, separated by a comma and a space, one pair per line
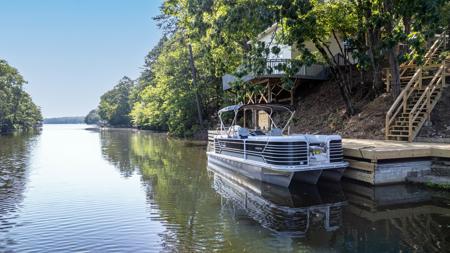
218, 31
382, 26
115, 105
168, 101
374, 28
17, 110
92, 117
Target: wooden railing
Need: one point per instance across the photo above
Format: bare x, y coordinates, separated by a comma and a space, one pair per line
275, 67
426, 102
440, 42
406, 68
400, 104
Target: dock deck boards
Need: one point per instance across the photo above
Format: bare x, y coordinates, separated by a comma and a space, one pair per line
382, 150
380, 162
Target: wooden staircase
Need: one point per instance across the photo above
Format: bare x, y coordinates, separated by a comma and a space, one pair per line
422, 87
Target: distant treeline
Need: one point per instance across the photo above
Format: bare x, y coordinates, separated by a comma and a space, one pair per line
64, 120
180, 87
17, 110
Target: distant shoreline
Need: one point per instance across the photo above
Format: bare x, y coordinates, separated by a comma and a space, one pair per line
65, 120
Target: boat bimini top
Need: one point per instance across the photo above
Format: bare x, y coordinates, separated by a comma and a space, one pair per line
275, 129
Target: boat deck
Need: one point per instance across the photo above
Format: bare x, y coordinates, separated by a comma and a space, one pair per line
380, 150
382, 162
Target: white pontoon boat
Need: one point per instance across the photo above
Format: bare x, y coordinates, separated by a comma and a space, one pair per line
255, 146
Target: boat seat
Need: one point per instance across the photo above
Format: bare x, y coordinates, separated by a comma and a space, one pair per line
257, 133
243, 132
275, 132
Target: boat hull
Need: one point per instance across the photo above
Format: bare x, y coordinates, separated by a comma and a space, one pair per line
274, 176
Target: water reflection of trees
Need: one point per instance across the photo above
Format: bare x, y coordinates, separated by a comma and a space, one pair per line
181, 195
14, 160
182, 190
116, 149
177, 181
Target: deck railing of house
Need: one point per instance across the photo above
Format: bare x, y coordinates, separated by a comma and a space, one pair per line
276, 66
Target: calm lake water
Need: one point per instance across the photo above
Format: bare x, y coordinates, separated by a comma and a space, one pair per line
69, 189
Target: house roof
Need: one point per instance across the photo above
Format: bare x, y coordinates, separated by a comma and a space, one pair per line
269, 30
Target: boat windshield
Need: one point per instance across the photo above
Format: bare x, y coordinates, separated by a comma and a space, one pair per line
256, 119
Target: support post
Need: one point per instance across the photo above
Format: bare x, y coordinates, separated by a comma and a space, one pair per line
255, 119
420, 77
410, 127
269, 89
386, 128
428, 104
443, 75
388, 81
405, 99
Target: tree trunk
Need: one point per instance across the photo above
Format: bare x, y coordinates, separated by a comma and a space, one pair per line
372, 41
407, 24
339, 76
194, 83
376, 73
392, 54
395, 72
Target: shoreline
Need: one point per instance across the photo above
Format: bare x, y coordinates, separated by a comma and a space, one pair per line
193, 140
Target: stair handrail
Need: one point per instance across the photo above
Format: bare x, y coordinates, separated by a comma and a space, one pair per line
412, 86
437, 45
434, 83
437, 79
441, 38
437, 82
414, 83
401, 99
410, 61
428, 56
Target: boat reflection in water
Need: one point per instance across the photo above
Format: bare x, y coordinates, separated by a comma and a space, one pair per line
284, 211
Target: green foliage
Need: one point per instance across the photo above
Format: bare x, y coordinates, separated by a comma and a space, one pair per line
92, 118
17, 110
218, 40
219, 31
167, 102
115, 105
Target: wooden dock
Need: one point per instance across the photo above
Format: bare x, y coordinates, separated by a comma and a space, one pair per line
383, 162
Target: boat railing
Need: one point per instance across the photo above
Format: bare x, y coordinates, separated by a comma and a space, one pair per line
211, 135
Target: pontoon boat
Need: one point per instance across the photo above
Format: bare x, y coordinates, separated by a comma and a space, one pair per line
255, 146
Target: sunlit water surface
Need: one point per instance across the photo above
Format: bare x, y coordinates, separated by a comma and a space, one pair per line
69, 189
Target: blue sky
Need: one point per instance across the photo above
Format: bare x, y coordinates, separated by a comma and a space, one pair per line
72, 51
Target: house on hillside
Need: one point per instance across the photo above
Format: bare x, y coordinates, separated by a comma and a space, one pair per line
272, 90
